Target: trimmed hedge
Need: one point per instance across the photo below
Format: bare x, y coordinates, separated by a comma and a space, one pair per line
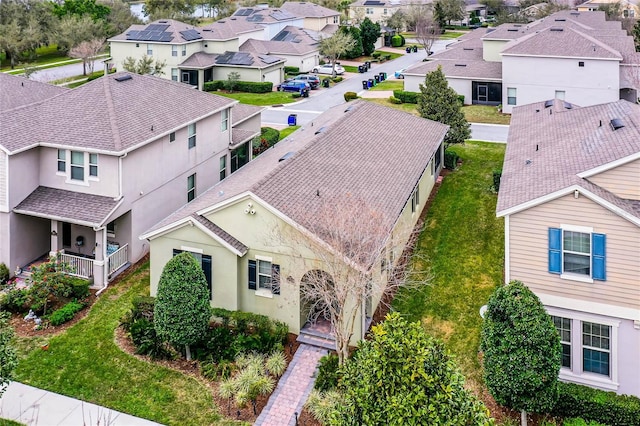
79, 287
394, 100
66, 313
597, 405
348, 96
406, 97
271, 135
450, 159
290, 70
396, 41
461, 100
241, 86
497, 175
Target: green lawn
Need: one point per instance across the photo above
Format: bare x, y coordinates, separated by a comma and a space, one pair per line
463, 248
84, 362
260, 99
485, 114
389, 85
287, 131
448, 35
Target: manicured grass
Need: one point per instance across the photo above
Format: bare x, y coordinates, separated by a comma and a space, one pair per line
448, 35
384, 53
389, 85
462, 248
260, 99
44, 55
350, 68
485, 114
287, 131
85, 363
5, 422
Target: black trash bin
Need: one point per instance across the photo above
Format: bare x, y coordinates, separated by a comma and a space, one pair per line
377, 78
383, 77
368, 64
365, 84
415, 49
293, 119
408, 50
325, 82
360, 68
304, 93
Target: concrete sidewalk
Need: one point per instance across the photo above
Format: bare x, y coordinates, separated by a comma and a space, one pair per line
33, 406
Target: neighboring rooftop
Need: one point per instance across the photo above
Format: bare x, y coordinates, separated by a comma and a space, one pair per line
308, 9
548, 147
20, 91
264, 14
272, 47
160, 31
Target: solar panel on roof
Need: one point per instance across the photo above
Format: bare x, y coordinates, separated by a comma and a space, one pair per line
567, 105
616, 124
255, 18
281, 36
156, 27
373, 3
548, 103
190, 35
244, 12
268, 59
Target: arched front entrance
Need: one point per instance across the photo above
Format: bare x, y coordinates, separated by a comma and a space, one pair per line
316, 291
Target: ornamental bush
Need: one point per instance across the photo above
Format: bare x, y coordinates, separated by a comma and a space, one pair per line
66, 313
348, 96
406, 97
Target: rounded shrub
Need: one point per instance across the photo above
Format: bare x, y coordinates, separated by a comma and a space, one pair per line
396, 41
348, 96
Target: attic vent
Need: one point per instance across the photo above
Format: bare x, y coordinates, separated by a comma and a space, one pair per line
123, 77
560, 20
557, 29
461, 65
490, 29
616, 124
517, 25
320, 130
349, 108
513, 30
234, 19
467, 48
287, 156
163, 22
567, 105
221, 22
574, 13
548, 103
207, 29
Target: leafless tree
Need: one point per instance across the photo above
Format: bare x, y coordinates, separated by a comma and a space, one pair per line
86, 51
335, 46
427, 31
351, 264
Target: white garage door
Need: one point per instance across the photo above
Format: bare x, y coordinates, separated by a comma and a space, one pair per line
273, 76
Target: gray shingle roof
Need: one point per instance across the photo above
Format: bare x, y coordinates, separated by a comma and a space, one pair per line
358, 154
69, 206
272, 47
242, 135
221, 233
263, 14
199, 60
175, 28
241, 112
460, 69
227, 28
308, 9
546, 152
19, 91
109, 115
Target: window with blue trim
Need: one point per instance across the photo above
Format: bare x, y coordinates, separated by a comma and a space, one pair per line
577, 253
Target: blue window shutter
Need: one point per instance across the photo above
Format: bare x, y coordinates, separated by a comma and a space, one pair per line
275, 279
555, 250
599, 256
252, 275
208, 271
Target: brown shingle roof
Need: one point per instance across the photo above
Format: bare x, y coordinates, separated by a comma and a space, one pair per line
242, 135
227, 28
109, 115
460, 69
357, 154
308, 9
222, 234
546, 152
241, 112
69, 206
272, 47
20, 91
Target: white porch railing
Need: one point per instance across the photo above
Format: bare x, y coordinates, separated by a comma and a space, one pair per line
117, 259
76, 265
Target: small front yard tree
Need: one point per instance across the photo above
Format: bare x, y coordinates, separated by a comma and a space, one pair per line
335, 46
8, 355
143, 66
404, 376
522, 351
182, 310
427, 31
370, 33
86, 51
439, 102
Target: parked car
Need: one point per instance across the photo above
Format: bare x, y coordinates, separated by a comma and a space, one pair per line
399, 73
294, 86
328, 69
313, 80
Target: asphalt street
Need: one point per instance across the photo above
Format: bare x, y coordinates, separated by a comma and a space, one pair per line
64, 71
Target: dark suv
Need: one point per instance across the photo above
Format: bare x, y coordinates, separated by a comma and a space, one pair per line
293, 86
313, 80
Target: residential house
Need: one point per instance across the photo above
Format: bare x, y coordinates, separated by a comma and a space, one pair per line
569, 196
316, 17
229, 228
193, 54
272, 19
376, 10
628, 9
292, 44
576, 56
83, 172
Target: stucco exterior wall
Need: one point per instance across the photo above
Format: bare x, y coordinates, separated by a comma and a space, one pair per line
273, 28
218, 46
491, 50
305, 62
528, 252
120, 50
623, 181
317, 24
377, 13
537, 78
24, 175
4, 201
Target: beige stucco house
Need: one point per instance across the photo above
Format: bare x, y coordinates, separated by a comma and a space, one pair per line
569, 196
83, 172
628, 9
576, 56
230, 228
316, 17
302, 55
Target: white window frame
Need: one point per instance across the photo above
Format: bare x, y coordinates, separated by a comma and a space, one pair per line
369, 11
223, 167
191, 188
174, 74
576, 374
76, 166
415, 199
191, 140
263, 291
573, 276
184, 50
560, 94
93, 166
224, 123
149, 49
62, 161
174, 50
512, 96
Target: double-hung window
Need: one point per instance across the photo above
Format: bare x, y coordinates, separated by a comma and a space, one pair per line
62, 160
264, 276
223, 167
174, 73
77, 165
563, 325
577, 253
184, 50
150, 49
224, 125
191, 188
415, 199
596, 348
192, 135
511, 96
174, 50
93, 165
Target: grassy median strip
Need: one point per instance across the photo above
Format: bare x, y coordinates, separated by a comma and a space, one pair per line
260, 99
85, 363
463, 245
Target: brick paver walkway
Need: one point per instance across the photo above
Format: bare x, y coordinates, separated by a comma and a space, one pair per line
293, 388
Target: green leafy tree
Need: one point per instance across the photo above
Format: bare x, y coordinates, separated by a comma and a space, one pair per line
182, 311
370, 33
439, 102
335, 46
452, 10
439, 15
144, 66
8, 355
81, 7
74, 29
48, 283
522, 351
232, 81
404, 376
636, 35
181, 10
356, 49
24, 26
119, 18
397, 20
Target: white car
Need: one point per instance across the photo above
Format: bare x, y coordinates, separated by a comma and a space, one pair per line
328, 69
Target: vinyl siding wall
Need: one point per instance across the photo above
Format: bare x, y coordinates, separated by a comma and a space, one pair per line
528, 252
623, 181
